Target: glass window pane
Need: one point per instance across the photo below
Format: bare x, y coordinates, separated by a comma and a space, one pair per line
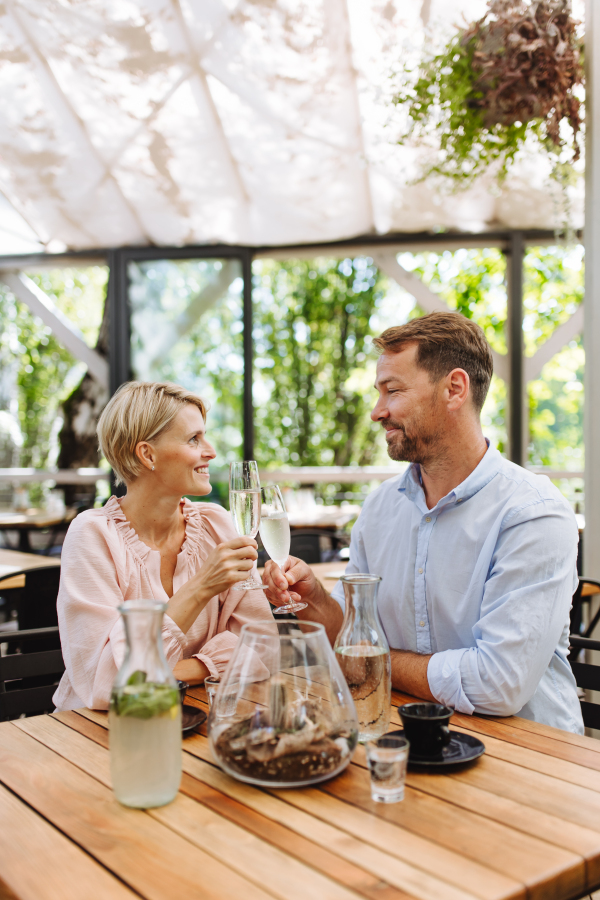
553, 290
314, 323
187, 327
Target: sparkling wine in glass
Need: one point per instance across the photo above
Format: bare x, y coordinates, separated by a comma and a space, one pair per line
244, 505
275, 534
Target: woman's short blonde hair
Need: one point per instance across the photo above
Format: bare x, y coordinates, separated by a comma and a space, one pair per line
139, 411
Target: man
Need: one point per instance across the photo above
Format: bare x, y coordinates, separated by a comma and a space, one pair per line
477, 555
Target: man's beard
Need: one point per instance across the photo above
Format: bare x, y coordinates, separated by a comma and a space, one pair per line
416, 448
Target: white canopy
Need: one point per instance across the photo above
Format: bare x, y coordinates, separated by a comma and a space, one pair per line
244, 121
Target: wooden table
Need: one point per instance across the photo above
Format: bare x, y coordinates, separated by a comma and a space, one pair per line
33, 520
13, 561
523, 822
331, 518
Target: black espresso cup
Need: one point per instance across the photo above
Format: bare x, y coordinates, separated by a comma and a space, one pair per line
426, 727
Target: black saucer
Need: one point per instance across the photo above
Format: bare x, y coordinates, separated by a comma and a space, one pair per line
191, 717
462, 748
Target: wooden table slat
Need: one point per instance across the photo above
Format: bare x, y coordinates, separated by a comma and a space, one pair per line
539, 743
284, 877
37, 847
523, 823
405, 845
145, 854
524, 857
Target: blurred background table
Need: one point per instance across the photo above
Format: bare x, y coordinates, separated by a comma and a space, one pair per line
12, 561
318, 516
33, 520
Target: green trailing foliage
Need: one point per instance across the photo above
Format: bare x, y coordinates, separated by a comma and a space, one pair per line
507, 79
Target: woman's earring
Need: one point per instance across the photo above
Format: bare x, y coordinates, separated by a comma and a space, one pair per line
153, 468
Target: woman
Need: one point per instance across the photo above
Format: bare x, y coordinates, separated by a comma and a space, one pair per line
153, 544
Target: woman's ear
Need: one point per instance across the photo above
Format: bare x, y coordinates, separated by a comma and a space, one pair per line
145, 454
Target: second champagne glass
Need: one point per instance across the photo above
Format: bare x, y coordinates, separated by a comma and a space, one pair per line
275, 534
244, 504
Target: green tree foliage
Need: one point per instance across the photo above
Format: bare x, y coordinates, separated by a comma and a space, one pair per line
312, 333
314, 365
42, 372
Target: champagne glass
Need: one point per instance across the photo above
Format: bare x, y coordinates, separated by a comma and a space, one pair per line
244, 504
275, 534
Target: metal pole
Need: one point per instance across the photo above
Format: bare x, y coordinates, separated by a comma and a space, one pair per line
119, 351
118, 322
592, 291
248, 357
517, 407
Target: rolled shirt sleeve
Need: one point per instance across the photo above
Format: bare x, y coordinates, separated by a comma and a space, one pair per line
523, 614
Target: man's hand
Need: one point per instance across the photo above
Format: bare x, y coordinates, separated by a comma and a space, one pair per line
296, 574
298, 582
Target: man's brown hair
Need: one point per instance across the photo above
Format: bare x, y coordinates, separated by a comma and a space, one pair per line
446, 341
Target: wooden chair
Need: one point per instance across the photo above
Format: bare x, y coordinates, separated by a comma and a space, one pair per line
35, 601
586, 589
587, 677
306, 543
28, 680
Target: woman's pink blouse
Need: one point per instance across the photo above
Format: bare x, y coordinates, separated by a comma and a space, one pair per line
104, 563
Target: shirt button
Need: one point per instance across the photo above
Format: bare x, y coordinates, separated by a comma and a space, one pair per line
428, 519
422, 624
420, 571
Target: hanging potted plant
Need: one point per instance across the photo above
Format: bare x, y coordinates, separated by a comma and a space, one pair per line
509, 78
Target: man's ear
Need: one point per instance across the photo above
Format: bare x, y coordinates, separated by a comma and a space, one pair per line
458, 386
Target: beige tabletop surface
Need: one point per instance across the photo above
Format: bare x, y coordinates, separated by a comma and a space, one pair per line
521, 823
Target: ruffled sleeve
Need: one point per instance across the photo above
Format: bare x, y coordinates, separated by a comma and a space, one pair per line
93, 583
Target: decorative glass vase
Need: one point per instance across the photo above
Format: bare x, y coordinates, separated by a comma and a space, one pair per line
283, 715
145, 713
363, 653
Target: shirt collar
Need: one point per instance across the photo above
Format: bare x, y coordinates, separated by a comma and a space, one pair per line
410, 483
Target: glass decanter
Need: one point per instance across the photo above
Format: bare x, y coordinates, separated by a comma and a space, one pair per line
145, 713
283, 715
363, 653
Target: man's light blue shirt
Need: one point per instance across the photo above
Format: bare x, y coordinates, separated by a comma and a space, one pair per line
484, 581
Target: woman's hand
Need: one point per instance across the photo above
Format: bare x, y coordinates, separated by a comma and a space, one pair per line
224, 566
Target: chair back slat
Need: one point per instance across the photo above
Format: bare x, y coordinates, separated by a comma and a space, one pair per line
28, 675
34, 700
586, 676
580, 597
591, 714
27, 665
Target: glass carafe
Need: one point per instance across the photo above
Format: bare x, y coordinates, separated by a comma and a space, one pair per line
363, 653
145, 713
283, 715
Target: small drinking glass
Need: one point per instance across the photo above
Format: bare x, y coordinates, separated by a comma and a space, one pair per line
244, 504
275, 534
228, 700
387, 758
211, 683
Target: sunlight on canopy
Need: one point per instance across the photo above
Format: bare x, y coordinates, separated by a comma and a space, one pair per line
243, 121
